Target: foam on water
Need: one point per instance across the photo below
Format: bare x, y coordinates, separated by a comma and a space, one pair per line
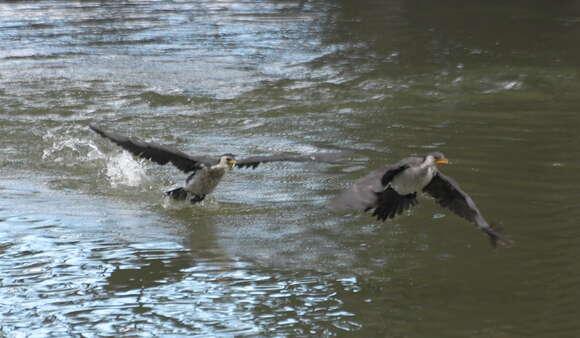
65, 147
122, 169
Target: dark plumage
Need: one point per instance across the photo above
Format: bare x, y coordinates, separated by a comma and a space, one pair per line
157, 153
390, 190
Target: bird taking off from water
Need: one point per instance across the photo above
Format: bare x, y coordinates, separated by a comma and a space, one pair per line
390, 190
206, 172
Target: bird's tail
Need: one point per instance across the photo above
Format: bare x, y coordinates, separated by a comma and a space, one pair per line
179, 194
497, 238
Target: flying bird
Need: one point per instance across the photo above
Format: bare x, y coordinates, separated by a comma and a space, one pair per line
205, 172
392, 189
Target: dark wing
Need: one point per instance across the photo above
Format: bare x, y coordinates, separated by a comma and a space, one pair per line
156, 153
365, 193
449, 195
390, 204
253, 162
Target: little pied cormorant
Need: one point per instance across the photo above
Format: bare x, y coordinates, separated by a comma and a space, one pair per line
206, 172
392, 189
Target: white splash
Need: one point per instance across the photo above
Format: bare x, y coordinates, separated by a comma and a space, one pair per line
66, 148
122, 169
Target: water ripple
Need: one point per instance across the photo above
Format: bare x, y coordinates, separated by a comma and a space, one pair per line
88, 245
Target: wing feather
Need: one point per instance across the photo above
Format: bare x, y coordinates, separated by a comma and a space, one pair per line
365, 192
390, 204
449, 195
254, 161
156, 153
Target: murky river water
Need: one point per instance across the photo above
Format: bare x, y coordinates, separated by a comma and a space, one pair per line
88, 246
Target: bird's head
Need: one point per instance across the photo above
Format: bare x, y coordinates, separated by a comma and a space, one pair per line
228, 160
436, 157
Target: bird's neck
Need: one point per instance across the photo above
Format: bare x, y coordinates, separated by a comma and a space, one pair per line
219, 166
428, 162
429, 170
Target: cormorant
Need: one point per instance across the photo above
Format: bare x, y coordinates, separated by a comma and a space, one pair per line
206, 172
390, 190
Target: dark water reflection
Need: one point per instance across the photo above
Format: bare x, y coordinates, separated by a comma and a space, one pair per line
89, 247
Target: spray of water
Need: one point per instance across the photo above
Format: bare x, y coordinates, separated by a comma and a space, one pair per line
122, 169
65, 148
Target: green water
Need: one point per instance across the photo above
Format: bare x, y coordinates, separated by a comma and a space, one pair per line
89, 247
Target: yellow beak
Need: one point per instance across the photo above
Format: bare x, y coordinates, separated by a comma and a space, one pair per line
441, 161
232, 163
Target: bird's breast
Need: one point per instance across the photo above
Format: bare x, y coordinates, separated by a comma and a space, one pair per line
205, 181
412, 180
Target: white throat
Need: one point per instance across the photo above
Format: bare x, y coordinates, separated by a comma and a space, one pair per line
220, 166
223, 164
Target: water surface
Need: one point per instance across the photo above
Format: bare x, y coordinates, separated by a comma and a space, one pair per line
88, 245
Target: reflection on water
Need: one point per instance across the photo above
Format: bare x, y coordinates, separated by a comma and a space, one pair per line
65, 277
88, 245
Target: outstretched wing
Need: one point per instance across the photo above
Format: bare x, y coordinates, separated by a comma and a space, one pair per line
156, 153
366, 192
253, 162
448, 194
